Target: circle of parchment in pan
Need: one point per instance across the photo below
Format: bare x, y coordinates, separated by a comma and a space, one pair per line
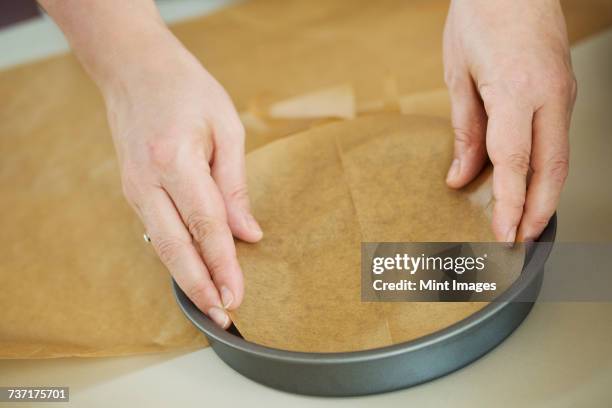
387, 368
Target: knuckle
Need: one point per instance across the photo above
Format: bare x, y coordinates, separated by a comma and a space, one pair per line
215, 264
540, 220
516, 162
468, 138
168, 249
519, 162
560, 82
558, 169
519, 82
232, 131
490, 93
560, 86
239, 193
162, 153
510, 86
200, 293
203, 227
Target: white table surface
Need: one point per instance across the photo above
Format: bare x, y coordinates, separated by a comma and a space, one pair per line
561, 356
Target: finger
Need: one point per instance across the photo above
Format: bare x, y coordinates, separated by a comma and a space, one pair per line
175, 248
549, 161
202, 210
469, 123
509, 148
228, 170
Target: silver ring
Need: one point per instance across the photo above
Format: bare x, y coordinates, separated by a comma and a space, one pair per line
146, 237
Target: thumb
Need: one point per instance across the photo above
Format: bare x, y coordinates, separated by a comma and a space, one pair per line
469, 121
228, 171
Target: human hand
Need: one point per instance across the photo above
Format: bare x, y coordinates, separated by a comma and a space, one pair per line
180, 145
508, 70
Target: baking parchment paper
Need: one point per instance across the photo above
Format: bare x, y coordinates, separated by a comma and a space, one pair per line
76, 277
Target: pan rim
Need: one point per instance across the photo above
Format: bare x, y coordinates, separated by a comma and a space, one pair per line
530, 272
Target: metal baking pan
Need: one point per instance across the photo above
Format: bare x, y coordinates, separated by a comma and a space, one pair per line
387, 368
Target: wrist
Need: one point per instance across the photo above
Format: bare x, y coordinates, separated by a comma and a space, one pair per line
111, 37
140, 53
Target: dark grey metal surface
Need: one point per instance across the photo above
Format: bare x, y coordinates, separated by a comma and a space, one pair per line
387, 368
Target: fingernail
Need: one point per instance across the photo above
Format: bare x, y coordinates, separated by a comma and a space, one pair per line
252, 224
511, 236
226, 297
219, 316
453, 172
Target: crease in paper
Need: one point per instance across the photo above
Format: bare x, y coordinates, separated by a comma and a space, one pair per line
377, 178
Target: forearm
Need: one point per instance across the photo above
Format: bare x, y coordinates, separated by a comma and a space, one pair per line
111, 37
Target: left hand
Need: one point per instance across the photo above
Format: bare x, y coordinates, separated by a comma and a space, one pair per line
509, 74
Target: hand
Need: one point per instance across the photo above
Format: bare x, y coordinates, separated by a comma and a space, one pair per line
508, 70
181, 151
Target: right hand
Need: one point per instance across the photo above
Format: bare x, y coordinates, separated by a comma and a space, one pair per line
509, 74
180, 145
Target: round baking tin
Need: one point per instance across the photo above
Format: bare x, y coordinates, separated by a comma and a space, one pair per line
386, 368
